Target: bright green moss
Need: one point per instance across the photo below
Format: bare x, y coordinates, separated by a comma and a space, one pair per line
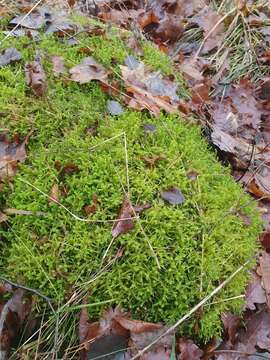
198, 244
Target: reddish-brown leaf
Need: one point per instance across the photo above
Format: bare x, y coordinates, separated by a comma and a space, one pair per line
36, 78
124, 222
11, 153
91, 209
136, 326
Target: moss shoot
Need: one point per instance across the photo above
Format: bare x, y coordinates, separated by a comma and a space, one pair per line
198, 244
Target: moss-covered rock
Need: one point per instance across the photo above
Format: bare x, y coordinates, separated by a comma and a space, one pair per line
198, 244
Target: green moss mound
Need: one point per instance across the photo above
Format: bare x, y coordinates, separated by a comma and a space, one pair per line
198, 244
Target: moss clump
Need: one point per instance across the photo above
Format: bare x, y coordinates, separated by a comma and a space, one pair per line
198, 244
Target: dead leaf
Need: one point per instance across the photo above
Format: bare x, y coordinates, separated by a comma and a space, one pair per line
36, 77
231, 324
54, 194
3, 217
152, 160
255, 335
136, 326
114, 108
207, 19
91, 209
150, 90
188, 350
173, 196
88, 70
12, 316
265, 270
9, 56
10, 155
58, 65
255, 294
123, 226
34, 20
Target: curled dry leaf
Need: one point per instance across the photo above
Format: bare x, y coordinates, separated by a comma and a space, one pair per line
173, 196
36, 77
58, 65
88, 70
9, 56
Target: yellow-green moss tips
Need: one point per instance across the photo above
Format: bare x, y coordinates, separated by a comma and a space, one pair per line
198, 243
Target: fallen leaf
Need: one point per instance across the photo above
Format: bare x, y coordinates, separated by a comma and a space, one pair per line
173, 196
265, 270
188, 350
61, 27
231, 324
54, 194
141, 207
91, 209
88, 70
12, 316
10, 155
114, 108
36, 77
34, 20
33, 34
9, 56
150, 90
123, 226
152, 160
58, 65
149, 128
255, 335
255, 294
207, 19
3, 217
136, 326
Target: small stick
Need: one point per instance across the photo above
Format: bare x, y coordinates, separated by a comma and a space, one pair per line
192, 311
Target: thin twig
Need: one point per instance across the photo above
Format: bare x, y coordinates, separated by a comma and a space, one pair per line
192, 311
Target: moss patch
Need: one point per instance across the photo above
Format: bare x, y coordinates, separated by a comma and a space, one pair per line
198, 244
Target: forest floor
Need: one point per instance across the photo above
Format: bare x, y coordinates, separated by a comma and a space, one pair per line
209, 64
